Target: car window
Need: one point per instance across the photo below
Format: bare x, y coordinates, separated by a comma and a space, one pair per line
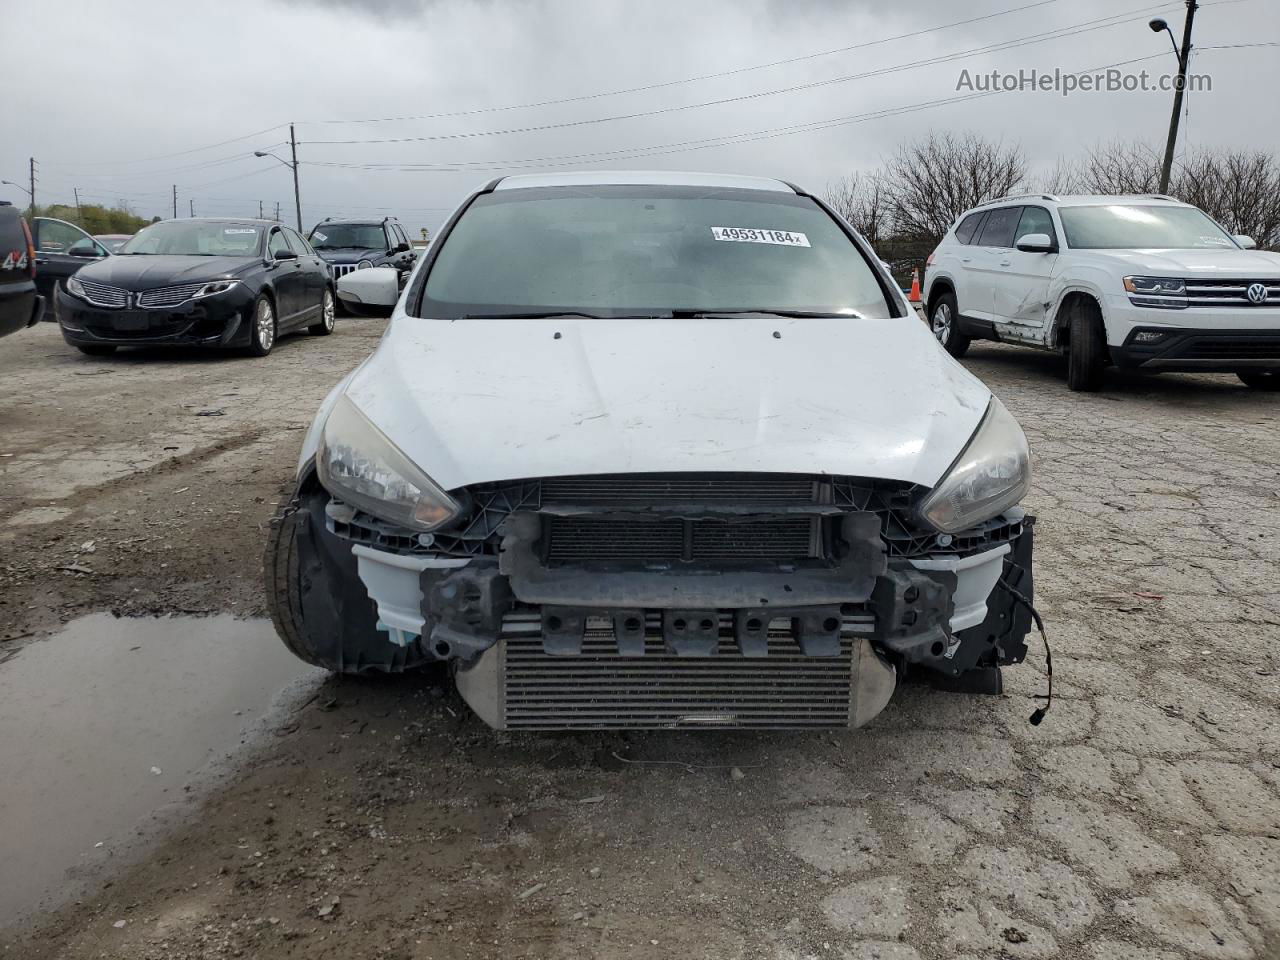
998, 229
277, 243
969, 226
640, 251
399, 233
57, 236
1124, 226
298, 245
1034, 220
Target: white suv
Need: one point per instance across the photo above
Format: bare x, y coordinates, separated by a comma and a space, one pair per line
1134, 281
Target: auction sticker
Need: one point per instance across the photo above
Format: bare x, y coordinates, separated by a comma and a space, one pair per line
239, 230
783, 238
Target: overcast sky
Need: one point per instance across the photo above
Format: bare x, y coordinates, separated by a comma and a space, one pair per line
124, 99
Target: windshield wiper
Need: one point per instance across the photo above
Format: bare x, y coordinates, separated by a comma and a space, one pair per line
544, 315
818, 314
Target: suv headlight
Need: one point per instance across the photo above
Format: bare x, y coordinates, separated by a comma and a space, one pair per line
358, 464
364, 264
1165, 292
215, 287
990, 476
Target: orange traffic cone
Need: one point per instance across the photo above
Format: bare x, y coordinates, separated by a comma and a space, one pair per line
914, 295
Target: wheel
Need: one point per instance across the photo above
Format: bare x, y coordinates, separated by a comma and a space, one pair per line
944, 325
318, 603
1260, 379
263, 333
327, 313
96, 349
1087, 353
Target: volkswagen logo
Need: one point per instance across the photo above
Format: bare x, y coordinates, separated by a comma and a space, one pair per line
1257, 293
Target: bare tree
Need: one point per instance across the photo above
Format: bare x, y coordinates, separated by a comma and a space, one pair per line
1120, 167
928, 183
1238, 188
859, 198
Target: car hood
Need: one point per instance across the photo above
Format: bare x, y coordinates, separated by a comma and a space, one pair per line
348, 254
1228, 263
474, 401
146, 272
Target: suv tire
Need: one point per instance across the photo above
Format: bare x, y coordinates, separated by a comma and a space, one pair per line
1087, 353
1261, 379
943, 323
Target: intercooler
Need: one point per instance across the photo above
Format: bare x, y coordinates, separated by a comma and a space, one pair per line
517, 685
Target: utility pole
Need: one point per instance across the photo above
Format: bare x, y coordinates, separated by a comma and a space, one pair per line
79, 213
277, 211
1184, 58
33, 188
175, 201
191, 206
259, 209
297, 197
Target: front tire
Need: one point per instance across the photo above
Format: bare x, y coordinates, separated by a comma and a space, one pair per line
943, 321
328, 311
1268, 380
264, 327
96, 349
1087, 353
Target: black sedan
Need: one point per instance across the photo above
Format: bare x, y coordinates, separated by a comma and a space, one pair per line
199, 282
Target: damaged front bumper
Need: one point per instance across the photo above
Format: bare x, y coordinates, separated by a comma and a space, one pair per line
541, 636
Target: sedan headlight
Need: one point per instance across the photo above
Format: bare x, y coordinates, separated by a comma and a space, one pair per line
990, 476
76, 288
1166, 292
215, 287
364, 264
358, 464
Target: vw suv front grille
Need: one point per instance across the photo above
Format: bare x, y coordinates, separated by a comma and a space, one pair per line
1232, 293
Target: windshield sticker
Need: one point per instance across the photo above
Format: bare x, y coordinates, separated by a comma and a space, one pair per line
231, 230
783, 238
319, 236
1214, 242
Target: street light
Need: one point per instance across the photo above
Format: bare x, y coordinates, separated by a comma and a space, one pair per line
1158, 25
18, 185
293, 144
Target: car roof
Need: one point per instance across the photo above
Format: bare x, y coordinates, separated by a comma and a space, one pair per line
359, 221
657, 178
1082, 200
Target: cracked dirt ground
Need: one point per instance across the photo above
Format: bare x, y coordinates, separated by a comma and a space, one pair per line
1140, 821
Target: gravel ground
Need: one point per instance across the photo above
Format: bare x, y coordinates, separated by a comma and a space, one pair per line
1140, 821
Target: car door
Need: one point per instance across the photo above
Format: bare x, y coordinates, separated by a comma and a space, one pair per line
957, 260
287, 278
993, 242
61, 249
315, 272
1022, 280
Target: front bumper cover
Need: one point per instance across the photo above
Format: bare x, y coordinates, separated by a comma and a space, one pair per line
1176, 349
216, 321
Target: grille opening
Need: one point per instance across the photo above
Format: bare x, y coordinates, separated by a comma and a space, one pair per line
577, 539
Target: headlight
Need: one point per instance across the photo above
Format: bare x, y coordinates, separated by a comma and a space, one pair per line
990, 476
76, 288
1164, 292
358, 464
364, 264
217, 286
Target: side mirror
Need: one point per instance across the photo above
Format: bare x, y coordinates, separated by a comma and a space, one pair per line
285, 255
1036, 243
84, 249
1246, 241
372, 289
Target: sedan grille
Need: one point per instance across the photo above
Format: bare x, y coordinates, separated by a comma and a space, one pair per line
577, 539
163, 297
101, 295
602, 690
1230, 293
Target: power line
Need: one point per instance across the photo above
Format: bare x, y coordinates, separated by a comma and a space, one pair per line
700, 77
183, 153
1059, 33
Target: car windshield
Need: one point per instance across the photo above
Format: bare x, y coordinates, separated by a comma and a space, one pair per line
627, 251
1124, 226
199, 238
112, 243
335, 236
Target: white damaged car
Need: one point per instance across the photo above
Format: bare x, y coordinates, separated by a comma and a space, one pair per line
656, 450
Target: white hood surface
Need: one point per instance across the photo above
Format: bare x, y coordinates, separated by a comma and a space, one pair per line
1225, 263
474, 401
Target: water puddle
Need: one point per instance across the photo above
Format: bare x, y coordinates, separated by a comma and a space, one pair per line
103, 725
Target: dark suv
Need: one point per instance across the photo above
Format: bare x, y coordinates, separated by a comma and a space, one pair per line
348, 245
20, 304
